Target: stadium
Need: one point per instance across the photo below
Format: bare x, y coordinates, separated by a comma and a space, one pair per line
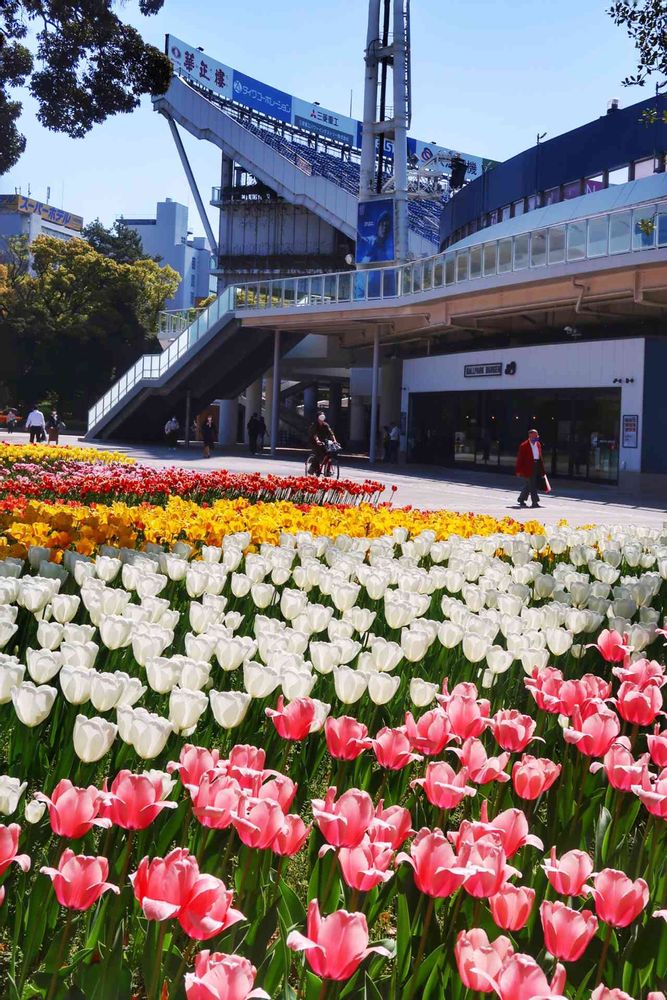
526, 292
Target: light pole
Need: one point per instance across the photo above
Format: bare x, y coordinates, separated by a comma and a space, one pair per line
538, 140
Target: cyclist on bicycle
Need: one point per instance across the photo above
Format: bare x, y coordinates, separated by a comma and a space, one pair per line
320, 434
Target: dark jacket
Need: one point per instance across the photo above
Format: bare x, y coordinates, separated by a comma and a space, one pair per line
525, 463
209, 434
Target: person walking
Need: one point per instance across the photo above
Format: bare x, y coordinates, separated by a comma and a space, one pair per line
171, 429
530, 467
12, 418
394, 442
261, 434
54, 426
35, 425
253, 432
209, 435
386, 444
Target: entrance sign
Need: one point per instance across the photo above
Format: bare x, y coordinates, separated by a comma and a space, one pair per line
477, 371
630, 430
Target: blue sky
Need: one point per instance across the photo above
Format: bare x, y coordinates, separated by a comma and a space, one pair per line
487, 76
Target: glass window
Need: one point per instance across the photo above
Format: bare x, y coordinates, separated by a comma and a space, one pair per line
506, 211
618, 176
661, 225
493, 217
620, 224
476, 262
644, 168
557, 245
597, 236
438, 274
462, 266
450, 269
643, 228
592, 184
532, 202
521, 244
518, 208
504, 256
576, 240
552, 196
571, 190
538, 248
344, 287
490, 258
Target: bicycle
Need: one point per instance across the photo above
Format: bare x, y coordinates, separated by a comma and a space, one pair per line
329, 466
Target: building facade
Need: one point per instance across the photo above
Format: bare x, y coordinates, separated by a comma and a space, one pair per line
24, 216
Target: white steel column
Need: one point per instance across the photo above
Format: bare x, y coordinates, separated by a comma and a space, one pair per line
228, 415
401, 81
275, 400
372, 448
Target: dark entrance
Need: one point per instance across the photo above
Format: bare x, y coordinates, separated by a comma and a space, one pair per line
579, 429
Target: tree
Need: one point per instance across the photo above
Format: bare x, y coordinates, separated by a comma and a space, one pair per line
76, 321
119, 242
89, 65
646, 23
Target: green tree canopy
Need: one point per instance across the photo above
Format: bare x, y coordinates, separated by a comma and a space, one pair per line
89, 64
119, 242
646, 23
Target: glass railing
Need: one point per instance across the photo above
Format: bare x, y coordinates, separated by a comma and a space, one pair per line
152, 367
603, 235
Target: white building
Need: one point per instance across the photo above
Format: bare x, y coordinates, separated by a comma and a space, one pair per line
23, 216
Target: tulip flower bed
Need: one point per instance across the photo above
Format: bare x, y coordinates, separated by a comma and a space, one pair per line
93, 477
391, 767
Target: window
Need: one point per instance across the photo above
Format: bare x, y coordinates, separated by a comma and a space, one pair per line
576, 240
450, 269
521, 251
538, 248
571, 190
552, 196
644, 168
592, 184
643, 228
462, 266
506, 212
597, 237
193, 280
619, 232
490, 258
504, 256
557, 245
618, 176
533, 202
661, 226
476, 262
518, 208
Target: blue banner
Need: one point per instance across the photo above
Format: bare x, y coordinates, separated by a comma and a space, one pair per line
375, 231
262, 97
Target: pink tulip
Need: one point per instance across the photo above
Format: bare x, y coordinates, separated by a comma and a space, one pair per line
281, 789
657, 746
222, 977
207, 910
392, 749
511, 826
343, 823
336, 945
581, 690
621, 768
9, 842
532, 776
569, 875
611, 646
567, 932
2, 894
653, 793
366, 865
291, 837
391, 826
604, 993
346, 738
193, 763
481, 768
292, 721
487, 863
431, 733
545, 685
619, 900
437, 870
244, 755
511, 906
135, 800
468, 716
73, 811
639, 706
79, 881
642, 673
258, 821
512, 730
216, 800
479, 960
521, 978
444, 788
594, 728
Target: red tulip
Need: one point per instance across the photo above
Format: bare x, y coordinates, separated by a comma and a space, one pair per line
639, 706
79, 881
292, 721
619, 900
392, 749
444, 788
653, 793
611, 646
161, 885
545, 685
431, 733
531, 776
291, 837
621, 768
9, 842
437, 870
567, 932
222, 977
346, 738
594, 729
657, 746
512, 730
481, 768
135, 800
281, 789
216, 800
479, 960
343, 823
511, 906
569, 875
74, 811
468, 716
258, 821
391, 826
366, 865
336, 945
193, 763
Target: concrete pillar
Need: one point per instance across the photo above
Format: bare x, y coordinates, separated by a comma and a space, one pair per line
228, 415
226, 217
391, 380
253, 404
310, 401
373, 441
268, 398
335, 393
275, 399
357, 420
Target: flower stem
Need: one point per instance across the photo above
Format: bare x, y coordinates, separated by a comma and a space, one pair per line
603, 956
153, 991
59, 960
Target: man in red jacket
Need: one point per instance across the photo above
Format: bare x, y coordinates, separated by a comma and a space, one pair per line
530, 466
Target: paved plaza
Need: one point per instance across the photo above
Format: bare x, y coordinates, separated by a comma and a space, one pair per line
425, 487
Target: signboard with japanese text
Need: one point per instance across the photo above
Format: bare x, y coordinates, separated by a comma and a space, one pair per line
29, 206
326, 123
630, 430
262, 97
192, 63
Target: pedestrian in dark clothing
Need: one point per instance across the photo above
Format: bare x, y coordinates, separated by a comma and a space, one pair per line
394, 442
386, 444
209, 435
54, 426
261, 434
253, 432
530, 467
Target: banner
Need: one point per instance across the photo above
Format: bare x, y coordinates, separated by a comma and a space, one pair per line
326, 123
29, 206
190, 62
375, 231
262, 97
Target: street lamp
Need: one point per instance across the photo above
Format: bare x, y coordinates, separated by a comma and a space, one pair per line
538, 139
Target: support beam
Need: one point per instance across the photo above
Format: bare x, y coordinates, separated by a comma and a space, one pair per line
193, 186
188, 417
275, 398
372, 447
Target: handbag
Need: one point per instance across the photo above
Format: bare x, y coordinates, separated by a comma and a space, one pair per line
547, 484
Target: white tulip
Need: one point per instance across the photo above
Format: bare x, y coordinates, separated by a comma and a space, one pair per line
422, 693
78, 635
150, 584
133, 690
383, 687
229, 707
474, 647
79, 654
339, 629
450, 635
232, 559
258, 680
211, 553
33, 597
33, 704
162, 674
11, 790
233, 620
397, 613
155, 607
292, 603
414, 644
280, 575
107, 568
325, 656
116, 631
195, 675
83, 571
105, 691
65, 607
297, 684
92, 738
361, 619
559, 640
531, 658
321, 712
11, 675
185, 709
263, 594
196, 578
498, 660
7, 630
174, 566
75, 683
34, 811
231, 653
49, 634
43, 665
348, 649
344, 595
200, 647
386, 655
350, 685
146, 732
147, 645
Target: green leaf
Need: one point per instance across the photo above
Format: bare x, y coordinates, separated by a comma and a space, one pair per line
403, 939
602, 831
290, 908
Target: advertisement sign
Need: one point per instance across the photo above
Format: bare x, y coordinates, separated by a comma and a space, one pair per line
326, 123
261, 97
630, 430
478, 371
375, 231
190, 62
28, 206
